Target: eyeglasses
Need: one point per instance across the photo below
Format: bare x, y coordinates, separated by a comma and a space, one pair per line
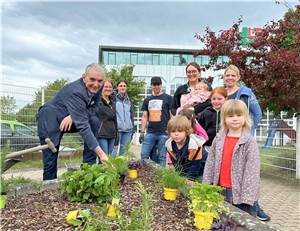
192, 72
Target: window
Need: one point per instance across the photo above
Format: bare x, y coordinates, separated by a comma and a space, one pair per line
205, 59
155, 59
176, 60
141, 58
21, 130
162, 59
198, 59
5, 130
148, 59
169, 59
105, 57
133, 58
112, 58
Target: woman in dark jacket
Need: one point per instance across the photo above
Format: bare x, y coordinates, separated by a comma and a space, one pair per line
108, 128
193, 72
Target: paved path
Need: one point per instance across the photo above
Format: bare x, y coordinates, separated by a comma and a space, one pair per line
279, 198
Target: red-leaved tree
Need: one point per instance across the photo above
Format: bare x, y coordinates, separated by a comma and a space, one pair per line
270, 65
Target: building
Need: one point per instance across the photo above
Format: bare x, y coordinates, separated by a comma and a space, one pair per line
165, 61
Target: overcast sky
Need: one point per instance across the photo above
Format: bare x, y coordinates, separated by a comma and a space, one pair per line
43, 41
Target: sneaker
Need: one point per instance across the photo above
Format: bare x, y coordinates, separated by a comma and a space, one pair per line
261, 215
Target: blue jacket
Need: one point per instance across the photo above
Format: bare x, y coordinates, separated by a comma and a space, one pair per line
246, 94
124, 109
73, 99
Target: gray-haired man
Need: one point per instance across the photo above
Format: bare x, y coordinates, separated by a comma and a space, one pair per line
75, 99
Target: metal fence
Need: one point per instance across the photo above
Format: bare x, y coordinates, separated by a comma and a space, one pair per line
276, 137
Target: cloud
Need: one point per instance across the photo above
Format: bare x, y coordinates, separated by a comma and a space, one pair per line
43, 41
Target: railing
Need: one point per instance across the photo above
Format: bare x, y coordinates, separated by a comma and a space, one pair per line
277, 143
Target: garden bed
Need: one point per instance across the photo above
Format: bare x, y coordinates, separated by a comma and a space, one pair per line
47, 210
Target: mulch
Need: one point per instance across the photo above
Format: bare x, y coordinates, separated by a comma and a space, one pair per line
47, 210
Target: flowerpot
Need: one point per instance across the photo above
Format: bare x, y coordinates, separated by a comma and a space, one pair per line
3, 199
170, 194
203, 220
75, 215
71, 216
132, 173
112, 211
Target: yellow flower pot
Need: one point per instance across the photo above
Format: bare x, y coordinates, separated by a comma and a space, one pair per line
71, 216
170, 194
3, 199
112, 211
132, 173
203, 220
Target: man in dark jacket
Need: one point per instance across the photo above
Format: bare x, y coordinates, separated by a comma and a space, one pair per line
74, 100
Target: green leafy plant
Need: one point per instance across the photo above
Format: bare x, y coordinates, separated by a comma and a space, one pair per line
117, 164
207, 198
139, 219
172, 179
90, 183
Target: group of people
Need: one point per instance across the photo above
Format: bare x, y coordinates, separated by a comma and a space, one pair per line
103, 118
205, 134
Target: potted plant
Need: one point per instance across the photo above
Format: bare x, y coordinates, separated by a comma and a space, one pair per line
133, 169
3, 191
172, 181
207, 204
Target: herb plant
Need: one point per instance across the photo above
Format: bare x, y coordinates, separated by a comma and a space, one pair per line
207, 198
90, 183
172, 179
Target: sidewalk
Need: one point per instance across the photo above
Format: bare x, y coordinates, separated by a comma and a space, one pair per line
278, 198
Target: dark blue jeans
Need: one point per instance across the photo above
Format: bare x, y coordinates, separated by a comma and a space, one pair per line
49, 162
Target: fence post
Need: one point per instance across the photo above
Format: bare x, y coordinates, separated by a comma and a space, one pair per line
43, 95
298, 147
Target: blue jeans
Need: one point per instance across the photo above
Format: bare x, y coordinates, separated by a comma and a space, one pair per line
124, 139
149, 142
107, 145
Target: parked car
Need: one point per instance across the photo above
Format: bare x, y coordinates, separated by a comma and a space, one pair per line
17, 136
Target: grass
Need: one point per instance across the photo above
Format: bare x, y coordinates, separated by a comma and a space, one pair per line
38, 164
279, 161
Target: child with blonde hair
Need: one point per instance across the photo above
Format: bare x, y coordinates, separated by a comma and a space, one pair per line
240, 176
184, 149
199, 95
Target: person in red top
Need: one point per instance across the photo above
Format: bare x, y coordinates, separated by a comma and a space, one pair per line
233, 160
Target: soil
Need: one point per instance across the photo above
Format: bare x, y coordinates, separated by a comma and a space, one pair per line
47, 210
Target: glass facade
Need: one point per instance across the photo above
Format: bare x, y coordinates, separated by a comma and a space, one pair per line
117, 58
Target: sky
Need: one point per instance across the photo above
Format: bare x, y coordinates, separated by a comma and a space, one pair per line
47, 40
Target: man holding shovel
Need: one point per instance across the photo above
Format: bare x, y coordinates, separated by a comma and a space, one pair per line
73, 101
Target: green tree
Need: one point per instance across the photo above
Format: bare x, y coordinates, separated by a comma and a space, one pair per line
135, 87
8, 106
28, 112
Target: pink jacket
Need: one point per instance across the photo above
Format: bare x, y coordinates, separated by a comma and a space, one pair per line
190, 99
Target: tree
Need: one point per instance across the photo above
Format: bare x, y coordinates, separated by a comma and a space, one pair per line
27, 114
134, 88
8, 106
270, 65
